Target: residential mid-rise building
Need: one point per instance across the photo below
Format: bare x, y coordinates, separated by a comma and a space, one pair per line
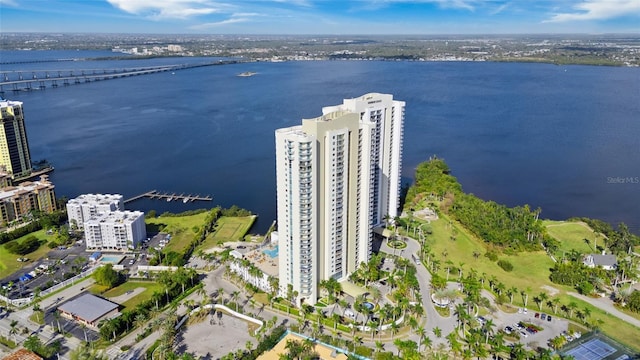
85, 206
19, 201
14, 148
338, 177
115, 230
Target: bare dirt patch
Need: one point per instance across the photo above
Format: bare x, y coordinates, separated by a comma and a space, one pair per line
551, 290
215, 336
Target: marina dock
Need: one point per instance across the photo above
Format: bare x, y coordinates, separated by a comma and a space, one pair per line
154, 194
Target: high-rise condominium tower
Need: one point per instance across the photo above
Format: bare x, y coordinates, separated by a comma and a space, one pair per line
338, 177
14, 149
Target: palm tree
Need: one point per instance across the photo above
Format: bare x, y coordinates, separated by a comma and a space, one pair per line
421, 332
488, 329
437, 332
56, 316
555, 301
235, 296
394, 329
379, 346
319, 314
13, 329
572, 306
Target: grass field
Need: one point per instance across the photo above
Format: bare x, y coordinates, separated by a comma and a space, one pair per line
181, 228
9, 262
228, 229
572, 236
530, 273
150, 288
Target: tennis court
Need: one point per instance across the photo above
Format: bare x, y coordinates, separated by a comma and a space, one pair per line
594, 349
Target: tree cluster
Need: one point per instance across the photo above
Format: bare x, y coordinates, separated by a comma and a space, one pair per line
26, 246
634, 301
107, 276
34, 344
175, 284
618, 241
517, 228
235, 211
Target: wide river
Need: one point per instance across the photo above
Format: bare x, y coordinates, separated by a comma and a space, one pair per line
563, 138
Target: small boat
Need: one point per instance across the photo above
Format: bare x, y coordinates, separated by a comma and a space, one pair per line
185, 200
247, 74
169, 199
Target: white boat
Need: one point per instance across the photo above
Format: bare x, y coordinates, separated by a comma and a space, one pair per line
185, 200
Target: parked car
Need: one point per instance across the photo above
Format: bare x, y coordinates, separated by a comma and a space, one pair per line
543, 316
523, 333
508, 329
537, 315
548, 317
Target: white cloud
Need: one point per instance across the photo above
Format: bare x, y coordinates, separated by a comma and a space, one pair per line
234, 19
500, 8
374, 5
163, 9
599, 10
295, 2
10, 3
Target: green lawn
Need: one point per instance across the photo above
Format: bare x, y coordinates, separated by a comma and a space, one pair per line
150, 288
572, 236
9, 262
228, 229
531, 271
181, 229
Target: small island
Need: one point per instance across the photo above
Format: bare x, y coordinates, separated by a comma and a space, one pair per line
247, 74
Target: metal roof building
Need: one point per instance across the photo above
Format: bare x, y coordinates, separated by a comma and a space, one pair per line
89, 309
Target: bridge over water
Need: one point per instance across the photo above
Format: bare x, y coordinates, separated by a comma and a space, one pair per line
40, 79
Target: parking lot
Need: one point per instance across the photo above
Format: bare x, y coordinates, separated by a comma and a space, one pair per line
531, 336
59, 264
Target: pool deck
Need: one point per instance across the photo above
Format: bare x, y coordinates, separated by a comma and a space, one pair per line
264, 262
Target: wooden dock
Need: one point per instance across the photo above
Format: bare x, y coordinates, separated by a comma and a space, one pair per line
154, 194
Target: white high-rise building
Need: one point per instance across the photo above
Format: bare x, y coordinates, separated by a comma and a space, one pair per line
115, 230
338, 176
85, 206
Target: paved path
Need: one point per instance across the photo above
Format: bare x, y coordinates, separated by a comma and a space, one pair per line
607, 305
434, 319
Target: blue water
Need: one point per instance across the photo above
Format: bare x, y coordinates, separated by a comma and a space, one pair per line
545, 135
272, 253
111, 259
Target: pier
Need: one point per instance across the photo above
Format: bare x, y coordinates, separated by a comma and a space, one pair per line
154, 194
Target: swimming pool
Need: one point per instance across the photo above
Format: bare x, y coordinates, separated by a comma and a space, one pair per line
272, 253
114, 259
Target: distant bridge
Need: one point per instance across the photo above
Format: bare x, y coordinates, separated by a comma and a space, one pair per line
41, 79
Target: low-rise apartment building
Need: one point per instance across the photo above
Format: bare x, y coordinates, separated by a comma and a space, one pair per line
115, 231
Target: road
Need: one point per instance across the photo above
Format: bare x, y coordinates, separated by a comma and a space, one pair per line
434, 319
607, 305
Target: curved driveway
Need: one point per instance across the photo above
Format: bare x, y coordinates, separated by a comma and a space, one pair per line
434, 319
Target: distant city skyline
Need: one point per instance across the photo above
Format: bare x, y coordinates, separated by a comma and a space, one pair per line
307, 17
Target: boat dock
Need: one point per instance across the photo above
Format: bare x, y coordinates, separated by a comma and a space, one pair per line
154, 194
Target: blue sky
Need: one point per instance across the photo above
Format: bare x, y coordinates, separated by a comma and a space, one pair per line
321, 16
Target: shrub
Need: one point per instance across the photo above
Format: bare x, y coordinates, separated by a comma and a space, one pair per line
505, 265
491, 255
